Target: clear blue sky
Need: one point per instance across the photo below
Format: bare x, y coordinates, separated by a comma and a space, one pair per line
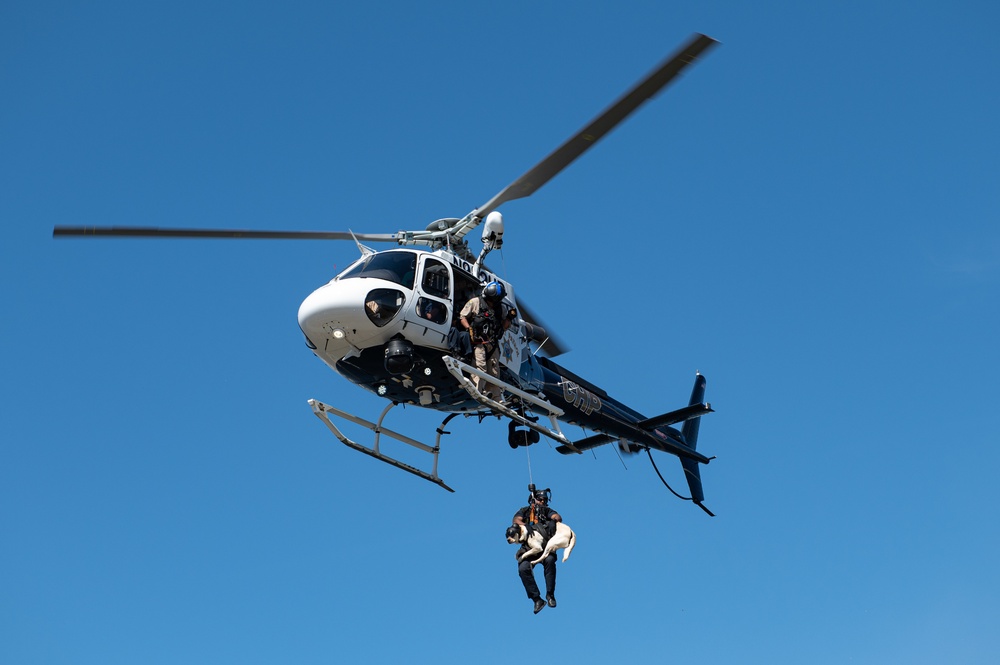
808, 217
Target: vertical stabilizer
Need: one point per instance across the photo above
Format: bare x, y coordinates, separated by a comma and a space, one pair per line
692, 469
690, 427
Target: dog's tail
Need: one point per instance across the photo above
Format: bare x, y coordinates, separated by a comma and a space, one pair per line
569, 548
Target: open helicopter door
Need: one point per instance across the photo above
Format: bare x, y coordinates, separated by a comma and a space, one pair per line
432, 309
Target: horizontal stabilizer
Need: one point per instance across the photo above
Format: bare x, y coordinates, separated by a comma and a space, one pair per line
586, 444
674, 417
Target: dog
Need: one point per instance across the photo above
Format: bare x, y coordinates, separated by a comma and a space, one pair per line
564, 539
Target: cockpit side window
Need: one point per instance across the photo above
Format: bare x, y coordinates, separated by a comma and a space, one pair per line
432, 310
435, 281
395, 266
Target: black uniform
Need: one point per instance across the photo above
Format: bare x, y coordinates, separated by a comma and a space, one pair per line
541, 520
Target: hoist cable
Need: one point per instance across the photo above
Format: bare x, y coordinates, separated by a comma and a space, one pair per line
527, 451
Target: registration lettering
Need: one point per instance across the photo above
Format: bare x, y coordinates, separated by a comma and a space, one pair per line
580, 397
485, 276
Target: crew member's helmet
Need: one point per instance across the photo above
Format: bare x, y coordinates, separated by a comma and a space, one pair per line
494, 292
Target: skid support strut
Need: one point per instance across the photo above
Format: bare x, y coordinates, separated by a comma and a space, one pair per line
324, 411
458, 369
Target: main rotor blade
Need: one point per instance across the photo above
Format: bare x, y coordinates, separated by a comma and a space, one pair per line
151, 232
564, 155
553, 346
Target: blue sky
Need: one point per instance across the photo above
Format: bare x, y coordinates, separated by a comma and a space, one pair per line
808, 217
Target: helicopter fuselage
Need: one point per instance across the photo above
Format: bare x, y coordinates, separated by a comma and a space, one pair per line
388, 320
385, 322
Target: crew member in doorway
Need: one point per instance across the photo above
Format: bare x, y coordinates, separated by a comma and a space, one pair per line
486, 318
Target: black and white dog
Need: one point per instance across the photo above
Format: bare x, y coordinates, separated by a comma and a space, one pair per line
564, 538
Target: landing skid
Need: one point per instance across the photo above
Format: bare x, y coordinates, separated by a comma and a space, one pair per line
324, 411
460, 370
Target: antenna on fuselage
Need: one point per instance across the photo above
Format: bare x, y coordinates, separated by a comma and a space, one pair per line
364, 249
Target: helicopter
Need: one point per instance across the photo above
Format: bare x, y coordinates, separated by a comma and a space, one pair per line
390, 323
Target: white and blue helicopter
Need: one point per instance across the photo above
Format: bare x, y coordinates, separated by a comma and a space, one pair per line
388, 323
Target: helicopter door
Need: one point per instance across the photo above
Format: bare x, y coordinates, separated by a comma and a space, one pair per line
433, 307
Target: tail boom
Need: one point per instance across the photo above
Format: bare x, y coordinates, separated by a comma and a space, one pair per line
657, 433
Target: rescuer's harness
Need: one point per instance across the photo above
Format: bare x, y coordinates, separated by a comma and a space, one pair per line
534, 523
486, 326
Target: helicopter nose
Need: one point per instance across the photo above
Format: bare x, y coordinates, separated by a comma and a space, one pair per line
347, 313
323, 315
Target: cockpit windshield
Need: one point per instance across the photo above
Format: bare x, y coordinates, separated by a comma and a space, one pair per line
398, 266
